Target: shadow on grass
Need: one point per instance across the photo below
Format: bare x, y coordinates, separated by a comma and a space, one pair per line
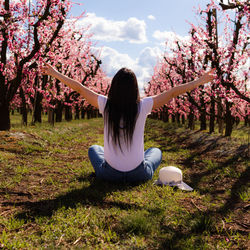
228, 161
178, 237
92, 195
207, 221
234, 198
198, 222
239, 154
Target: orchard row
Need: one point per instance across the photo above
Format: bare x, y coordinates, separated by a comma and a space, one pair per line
221, 45
33, 33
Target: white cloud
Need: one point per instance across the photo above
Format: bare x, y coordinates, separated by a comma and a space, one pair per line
151, 17
168, 38
163, 35
143, 66
149, 57
113, 60
132, 30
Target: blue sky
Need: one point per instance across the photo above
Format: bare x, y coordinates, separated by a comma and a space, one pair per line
132, 33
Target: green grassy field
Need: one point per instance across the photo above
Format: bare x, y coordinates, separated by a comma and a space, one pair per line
51, 199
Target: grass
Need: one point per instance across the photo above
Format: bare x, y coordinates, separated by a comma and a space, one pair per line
50, 198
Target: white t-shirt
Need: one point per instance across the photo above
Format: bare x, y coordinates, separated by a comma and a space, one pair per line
129, 158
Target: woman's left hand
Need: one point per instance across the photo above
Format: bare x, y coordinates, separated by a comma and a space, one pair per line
47, 69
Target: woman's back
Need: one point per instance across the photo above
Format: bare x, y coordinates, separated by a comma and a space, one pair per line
126, 156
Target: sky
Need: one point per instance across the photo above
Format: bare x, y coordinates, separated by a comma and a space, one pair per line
132, 33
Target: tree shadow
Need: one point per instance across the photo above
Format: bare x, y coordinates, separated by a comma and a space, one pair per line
6, 191
91, 195
231, 202
239, 154
208, 219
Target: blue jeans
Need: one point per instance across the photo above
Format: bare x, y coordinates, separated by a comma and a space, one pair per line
144, 172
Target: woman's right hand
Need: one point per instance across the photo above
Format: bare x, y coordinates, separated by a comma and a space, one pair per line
47, 69
208, 77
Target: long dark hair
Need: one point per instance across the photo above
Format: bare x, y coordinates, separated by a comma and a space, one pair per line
122, 106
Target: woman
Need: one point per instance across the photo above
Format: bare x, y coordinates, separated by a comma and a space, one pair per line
123, 158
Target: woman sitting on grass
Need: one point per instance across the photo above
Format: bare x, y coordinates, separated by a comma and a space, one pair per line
122, 159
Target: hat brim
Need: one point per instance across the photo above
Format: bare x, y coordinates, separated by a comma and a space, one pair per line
184, 186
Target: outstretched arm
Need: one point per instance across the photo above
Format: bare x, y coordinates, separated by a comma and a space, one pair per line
85, 92
166, 96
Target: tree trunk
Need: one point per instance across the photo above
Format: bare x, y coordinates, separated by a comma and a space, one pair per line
203, 120
212, 116
191, 120
246, 120
38, 108
161, 115
82, 113
183, 119
23, 108
68, 113
237, 121
59, 111
165, 115
5, 115
51, 116
77, 112
178, 118
220, 120
228, 119
173, 118
88, 114
93, 113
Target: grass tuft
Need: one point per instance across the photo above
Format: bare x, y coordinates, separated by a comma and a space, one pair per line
138, 223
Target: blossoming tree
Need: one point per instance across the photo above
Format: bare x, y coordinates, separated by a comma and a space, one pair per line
227, 98
33, 33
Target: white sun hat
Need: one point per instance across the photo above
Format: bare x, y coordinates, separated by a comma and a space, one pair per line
172, 176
